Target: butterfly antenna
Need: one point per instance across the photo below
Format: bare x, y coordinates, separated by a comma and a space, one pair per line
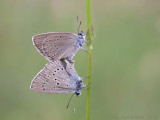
79, 25
74, 105
70, 100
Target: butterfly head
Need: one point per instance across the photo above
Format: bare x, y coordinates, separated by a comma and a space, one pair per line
78, 93
81, 33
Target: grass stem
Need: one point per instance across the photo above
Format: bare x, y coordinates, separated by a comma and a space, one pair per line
89, 37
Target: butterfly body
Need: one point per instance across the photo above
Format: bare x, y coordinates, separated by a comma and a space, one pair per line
73, 74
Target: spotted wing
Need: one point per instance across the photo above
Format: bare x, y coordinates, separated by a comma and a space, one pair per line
53, 78
70, 69
56, 45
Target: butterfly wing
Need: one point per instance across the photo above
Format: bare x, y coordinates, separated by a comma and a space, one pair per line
53, 78
56, 45
71, 70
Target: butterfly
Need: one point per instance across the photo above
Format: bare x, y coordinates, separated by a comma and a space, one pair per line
59, 45
58, 77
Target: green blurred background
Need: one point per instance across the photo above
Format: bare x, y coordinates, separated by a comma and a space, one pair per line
125, 66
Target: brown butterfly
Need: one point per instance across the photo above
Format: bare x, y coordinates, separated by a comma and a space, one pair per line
59, 45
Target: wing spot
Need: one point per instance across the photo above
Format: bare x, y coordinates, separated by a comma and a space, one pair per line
57, 69
70, 68
57, 48
69, 38
54, 43
57, 83
60, 36
42, 85
55, 79
57, 39
67, 85
62, 68
43, 89
53, 74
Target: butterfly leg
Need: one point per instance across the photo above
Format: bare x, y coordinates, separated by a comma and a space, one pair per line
84, 49
70, 61
87, 86
86, 42
84, 78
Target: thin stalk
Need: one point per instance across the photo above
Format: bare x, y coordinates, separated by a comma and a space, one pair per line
89, 82
89, 39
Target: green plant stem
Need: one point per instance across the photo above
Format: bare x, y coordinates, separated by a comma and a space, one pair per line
89, 82
89, 38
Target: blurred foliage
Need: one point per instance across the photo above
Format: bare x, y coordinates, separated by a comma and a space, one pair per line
126, 55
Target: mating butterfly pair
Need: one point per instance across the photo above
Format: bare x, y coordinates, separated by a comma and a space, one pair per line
59, 75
